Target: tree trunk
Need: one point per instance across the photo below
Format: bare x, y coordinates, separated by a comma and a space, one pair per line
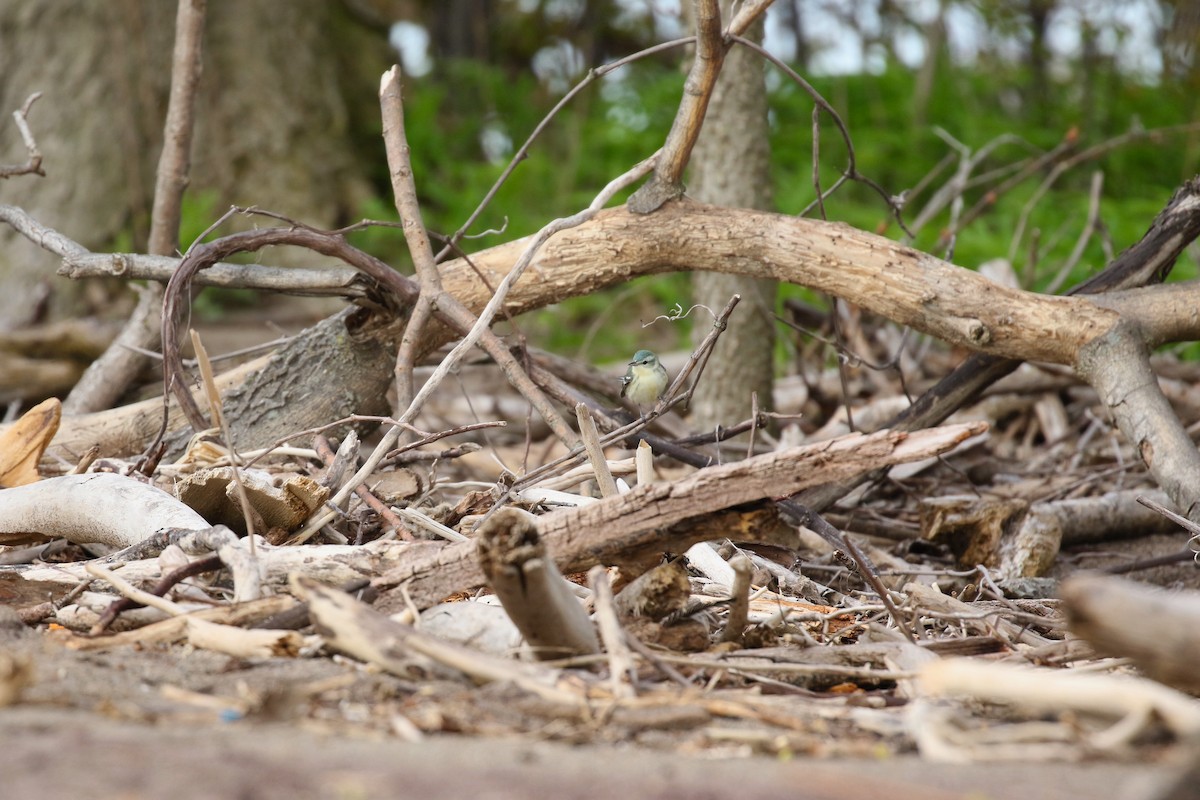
730, 167
268, 136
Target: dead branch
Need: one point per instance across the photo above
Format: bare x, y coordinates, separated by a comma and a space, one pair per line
1157, 629
627, 528
203, 256
357, 629
924, 599
404, 190
1135, 702
33, 164
340, 565
875, 273
332, 282
1117, 366
667, 181
432, 297
43, 236
536, 596
476, 330
1147, 261
176, 628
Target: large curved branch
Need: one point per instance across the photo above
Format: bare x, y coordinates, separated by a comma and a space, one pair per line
877, 274
1147, 261
882, 276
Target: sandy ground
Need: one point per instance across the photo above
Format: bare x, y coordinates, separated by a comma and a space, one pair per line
52, 753
100, 725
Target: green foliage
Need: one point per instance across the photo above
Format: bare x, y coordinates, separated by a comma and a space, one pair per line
976, 107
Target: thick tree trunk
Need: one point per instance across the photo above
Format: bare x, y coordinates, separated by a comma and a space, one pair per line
731, 167
267, 135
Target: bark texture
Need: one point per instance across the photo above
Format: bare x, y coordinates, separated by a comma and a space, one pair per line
273, 121
731, 167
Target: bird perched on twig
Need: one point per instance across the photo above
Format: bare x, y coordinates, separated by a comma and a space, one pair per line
645, 380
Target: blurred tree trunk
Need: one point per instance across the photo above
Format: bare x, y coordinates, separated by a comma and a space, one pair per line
935, 42
730, 166
1039, 12
1181, 65
461, 28
793, 14
273, 125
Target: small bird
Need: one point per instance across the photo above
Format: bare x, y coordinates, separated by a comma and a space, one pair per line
645, 380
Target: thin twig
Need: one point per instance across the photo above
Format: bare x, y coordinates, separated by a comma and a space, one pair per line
591, 444
851, 171
364, 494
207, 563
214, 404
523, 151
33, 164
1034, 166
1095, 151
404, 190
132, 592
1089, 228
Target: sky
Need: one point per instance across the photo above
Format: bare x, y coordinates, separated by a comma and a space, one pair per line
1127, 29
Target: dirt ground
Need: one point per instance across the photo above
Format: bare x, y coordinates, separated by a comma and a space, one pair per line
55, 752
155, 723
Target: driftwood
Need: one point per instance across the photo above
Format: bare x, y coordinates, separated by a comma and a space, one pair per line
536, 596
1019, 540
95, 508
334, 563
637, 527
605, 532
930, 600
1137, 705
1158, 630
176, 628
357, 629
1104, 340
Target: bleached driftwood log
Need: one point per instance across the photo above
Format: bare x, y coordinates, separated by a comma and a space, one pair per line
1136, 704
97, 508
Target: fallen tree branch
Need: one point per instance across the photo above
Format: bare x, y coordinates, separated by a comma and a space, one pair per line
1136, 702
1157, 629
334, 281
1147, 261
623, 529
875, 273
533, 592
357, 629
